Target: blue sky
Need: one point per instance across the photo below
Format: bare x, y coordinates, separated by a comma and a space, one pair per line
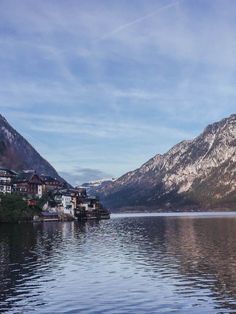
98, 87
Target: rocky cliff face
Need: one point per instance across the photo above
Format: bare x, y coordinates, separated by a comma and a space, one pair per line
17, 154
201, 173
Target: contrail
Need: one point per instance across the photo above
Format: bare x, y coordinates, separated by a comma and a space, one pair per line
138, 20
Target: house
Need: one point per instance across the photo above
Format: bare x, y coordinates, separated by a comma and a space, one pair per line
6, 177
66, 201
28, 183
88, 208
74, 203
50, 183
89, 204
81, 192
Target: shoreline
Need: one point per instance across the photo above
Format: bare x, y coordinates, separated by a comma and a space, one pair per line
176, 214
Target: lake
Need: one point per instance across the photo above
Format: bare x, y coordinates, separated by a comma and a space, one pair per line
184, 263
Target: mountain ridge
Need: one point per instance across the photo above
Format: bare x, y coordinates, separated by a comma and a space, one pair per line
18, 154
195, 173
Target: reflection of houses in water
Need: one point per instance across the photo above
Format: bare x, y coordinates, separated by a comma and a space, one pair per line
197, 257
30, 251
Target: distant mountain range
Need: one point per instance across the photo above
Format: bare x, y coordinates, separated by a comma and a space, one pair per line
198, 174
92, 186
17, 154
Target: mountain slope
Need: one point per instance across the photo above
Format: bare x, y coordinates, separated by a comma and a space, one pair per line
17, 154
200, 173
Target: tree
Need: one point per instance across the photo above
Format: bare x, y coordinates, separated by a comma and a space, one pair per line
13, 209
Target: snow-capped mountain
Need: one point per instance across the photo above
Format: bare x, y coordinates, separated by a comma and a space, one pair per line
201, 173
92, 186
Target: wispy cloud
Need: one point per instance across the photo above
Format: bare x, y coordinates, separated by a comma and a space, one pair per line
83, 175
94, 127
127, 79
138, 20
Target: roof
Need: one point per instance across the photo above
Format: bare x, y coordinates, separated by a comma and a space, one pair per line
81, 189
26, 176
12, 172
61, 193
46, 178
66, 192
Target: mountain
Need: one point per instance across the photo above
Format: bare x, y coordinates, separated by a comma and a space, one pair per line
17, 154
92, 186
197, 174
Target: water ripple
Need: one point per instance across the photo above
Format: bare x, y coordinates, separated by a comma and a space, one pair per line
125, 265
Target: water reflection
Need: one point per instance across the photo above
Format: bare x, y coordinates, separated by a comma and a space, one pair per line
125, 265
206, 252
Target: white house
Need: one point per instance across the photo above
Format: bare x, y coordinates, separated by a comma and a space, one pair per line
66, 203
6, 177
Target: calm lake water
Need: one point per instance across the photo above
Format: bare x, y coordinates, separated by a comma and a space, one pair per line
129, 264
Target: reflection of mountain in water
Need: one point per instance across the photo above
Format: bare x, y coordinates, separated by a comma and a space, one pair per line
153, 261
200, 254
206, 250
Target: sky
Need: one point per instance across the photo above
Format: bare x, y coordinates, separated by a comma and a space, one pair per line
98, 87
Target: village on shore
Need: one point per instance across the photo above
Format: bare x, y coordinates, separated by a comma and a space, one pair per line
58, 200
